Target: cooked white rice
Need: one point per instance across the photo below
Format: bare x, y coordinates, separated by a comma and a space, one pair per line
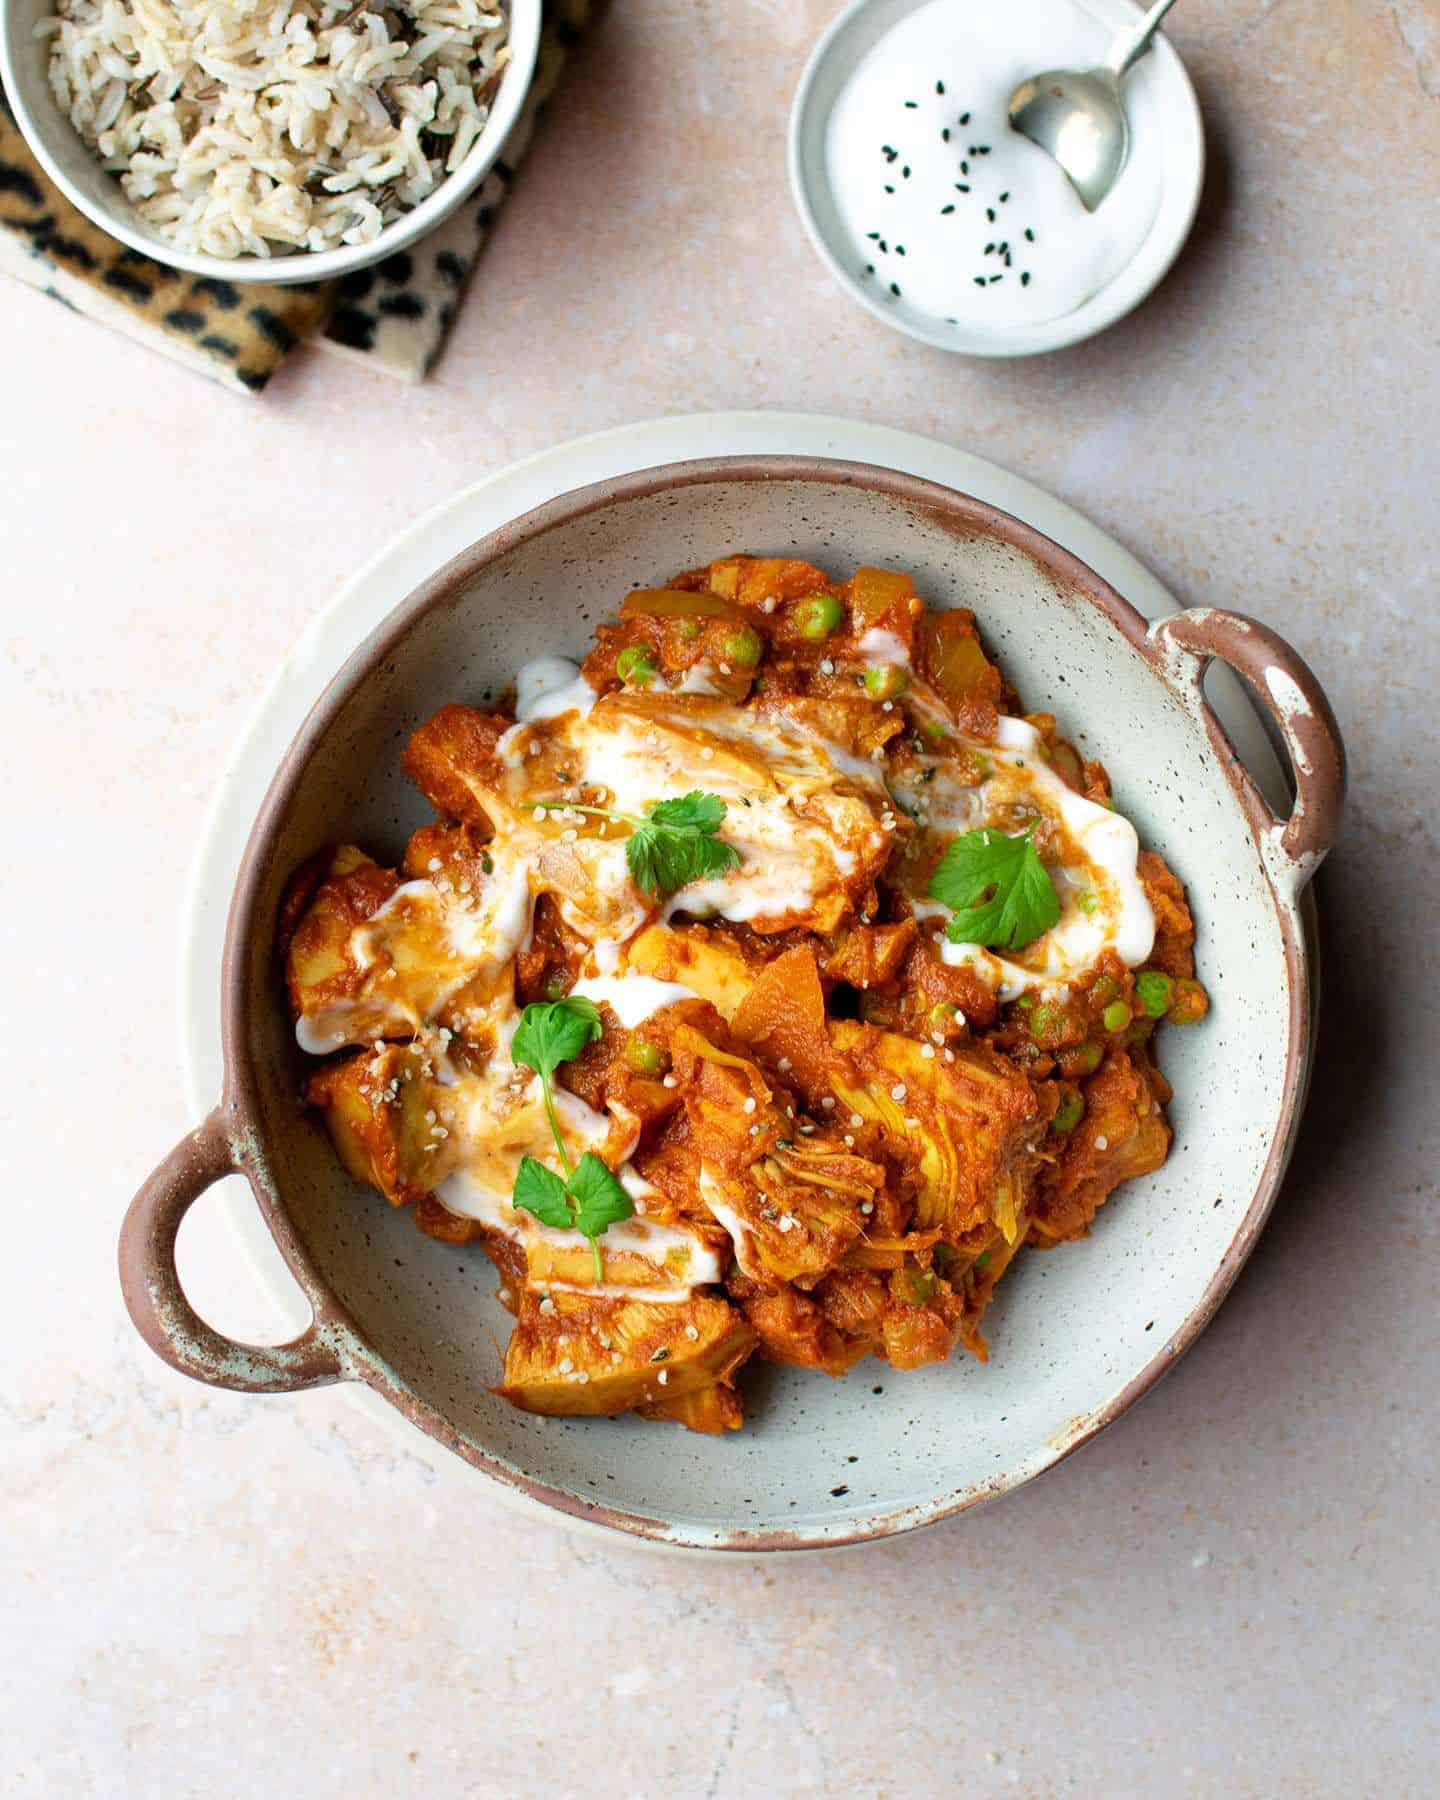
268, 126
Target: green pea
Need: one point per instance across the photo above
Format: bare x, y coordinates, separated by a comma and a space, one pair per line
1156, 991
636, 664
688, 630
942, 1015
646, 1058
743, 645
1116, 1016
1047, 1021
1088, 902
557, 985
1071, 1112
1081, 1059
883, 681
818, 616
1106, 988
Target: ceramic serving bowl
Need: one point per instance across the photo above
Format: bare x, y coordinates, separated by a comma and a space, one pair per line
76, 171
1076, 1335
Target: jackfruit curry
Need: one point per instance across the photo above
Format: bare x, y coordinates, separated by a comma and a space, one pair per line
762, 987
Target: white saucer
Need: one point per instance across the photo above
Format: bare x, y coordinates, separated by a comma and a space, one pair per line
432, 541
852, 36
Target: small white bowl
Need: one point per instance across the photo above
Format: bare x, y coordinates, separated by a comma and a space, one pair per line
857, 30
76, 171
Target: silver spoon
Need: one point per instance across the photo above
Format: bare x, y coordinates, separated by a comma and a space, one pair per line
1078, 116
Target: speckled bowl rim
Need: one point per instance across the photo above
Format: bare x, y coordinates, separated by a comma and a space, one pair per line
1126, 290
334, 1348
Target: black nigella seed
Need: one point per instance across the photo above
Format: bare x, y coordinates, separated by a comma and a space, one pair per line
888, 188
995, 278
979, 281
1029, 235
990, 214
912, 104
989, 249
1004, 198
905, 171
874, 236
1007, 259
970, 150
945, 135
939, 87
961, 188
964, 118
869, 268
895, 290
1025, 279
883, 245
982, 149
947, 209
964, 168
899, 249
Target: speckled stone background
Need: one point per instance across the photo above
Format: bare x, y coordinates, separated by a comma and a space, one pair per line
1232, 1592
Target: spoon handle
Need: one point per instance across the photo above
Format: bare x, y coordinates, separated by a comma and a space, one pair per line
1130, 46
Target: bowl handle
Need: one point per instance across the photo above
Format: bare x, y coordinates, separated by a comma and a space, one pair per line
156, 1301
1186, 643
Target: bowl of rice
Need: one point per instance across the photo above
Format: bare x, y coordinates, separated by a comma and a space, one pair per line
267, 140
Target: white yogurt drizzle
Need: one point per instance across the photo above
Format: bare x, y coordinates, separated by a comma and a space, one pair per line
881, 646
550, 686
740, 1235
1103, 904
469, 940
497, 1117
800, 810
632, 998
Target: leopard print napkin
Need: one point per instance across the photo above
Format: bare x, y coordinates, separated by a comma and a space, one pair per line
394, 317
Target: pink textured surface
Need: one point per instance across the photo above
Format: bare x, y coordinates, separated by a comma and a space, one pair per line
1231, 1593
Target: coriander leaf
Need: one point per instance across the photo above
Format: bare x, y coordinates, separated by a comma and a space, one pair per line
695, 811
555, 1031
550, 1033
677, 844
541, 1191
998, 889
674, 846
599, 1198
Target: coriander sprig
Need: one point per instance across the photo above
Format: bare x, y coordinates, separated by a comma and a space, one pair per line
588, 1198
998, 889
672, 846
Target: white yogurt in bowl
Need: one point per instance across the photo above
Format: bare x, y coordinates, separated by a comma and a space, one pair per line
949, 225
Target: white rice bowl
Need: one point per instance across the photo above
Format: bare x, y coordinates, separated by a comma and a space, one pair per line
265, 127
